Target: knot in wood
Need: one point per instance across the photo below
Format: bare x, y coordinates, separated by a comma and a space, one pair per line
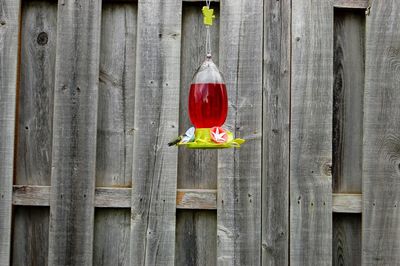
327, 168
42, 38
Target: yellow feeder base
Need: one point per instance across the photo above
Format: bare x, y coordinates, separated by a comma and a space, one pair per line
203, 140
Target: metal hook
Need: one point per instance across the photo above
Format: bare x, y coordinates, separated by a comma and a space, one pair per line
368, 10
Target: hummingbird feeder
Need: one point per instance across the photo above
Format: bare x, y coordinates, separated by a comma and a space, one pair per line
208, 103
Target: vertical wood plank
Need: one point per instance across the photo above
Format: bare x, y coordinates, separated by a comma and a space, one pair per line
346, 239
381, 153
74, 133
35, 117
30, 236
196, 231
195, 244
239, 170
156, 123
348, 98
116, 95
35, 103
311, 133
276, 109
111, 239
115, 128
9, 29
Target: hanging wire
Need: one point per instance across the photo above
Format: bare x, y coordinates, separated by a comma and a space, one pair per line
208, 37
208, 41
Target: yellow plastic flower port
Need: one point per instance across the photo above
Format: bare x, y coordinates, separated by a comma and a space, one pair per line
204, 140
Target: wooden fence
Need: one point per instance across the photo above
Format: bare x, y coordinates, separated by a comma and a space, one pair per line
92, 91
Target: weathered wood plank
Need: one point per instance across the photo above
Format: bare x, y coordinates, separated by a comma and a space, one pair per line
351, 3
202, 1
35, 101
40, 196
203, 199
189, 1
381, 152
115, 124
348, 97
199, 243
115, 132
9, 28
196, 232
346, 203
239, 170
156, 123
113, 198
31, 195
311, 133
74, 133
114, 227
35, 226
276, 110
346, 239
35, 117
106, 197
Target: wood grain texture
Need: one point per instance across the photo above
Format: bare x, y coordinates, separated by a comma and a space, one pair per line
200, 245
156, 123
239, 170
115, 132
36, 93
206, 199
197, 169
346, 239
311, 133
9, 29
31, 195
74, 133
276, 110
115, 124
199, 0
193, 1
381, 153
30, 236
347, 203
35, 125
351, 3
203, 199
111, 240
348, 98
106, 197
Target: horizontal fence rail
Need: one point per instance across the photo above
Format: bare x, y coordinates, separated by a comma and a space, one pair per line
363, 4
195, 199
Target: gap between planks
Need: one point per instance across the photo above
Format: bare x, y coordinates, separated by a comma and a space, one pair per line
201, 199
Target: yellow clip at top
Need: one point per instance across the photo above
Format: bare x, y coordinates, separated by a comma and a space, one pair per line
208, 15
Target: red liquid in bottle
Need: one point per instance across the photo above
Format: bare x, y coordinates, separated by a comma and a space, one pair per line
208, 104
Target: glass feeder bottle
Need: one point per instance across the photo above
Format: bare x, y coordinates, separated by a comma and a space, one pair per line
208, 99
